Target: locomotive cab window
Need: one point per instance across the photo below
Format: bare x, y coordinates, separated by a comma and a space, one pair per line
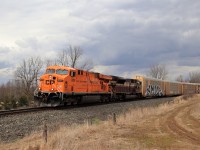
63, 72
50, 71
72, 74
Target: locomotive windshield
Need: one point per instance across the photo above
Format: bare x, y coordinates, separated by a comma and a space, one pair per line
60, 71
50, 71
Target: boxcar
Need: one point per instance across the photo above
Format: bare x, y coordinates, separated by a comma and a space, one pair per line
189, 88
173, 88
151, 87
197, 88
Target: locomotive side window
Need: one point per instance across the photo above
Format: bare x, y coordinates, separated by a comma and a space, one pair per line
60, 71
80, 72
50, 71
72, 74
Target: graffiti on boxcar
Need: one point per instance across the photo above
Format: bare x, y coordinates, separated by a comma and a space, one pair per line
154, 90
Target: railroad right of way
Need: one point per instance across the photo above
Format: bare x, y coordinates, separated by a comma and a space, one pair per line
17, 126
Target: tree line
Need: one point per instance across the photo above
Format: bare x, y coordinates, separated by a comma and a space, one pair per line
159, 71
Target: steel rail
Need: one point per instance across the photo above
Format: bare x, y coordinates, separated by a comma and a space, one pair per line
5, 113
23, 110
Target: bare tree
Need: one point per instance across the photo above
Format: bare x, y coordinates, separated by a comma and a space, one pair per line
194, 77
63, 58
87, 64
73, 57
74, 54
27, 73
50, 62
158, 72
180, 78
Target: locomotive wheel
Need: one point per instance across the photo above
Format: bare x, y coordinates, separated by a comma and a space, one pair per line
101, 99
65, 104
79, 100
106, 99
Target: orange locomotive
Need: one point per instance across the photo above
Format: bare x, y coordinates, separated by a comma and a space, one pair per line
61, 84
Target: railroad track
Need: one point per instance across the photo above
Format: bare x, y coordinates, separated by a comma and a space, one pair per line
37, 109
24, 110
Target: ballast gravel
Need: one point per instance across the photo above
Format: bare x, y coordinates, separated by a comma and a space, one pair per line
15, 127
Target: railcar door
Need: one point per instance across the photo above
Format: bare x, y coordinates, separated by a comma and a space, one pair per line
73, 80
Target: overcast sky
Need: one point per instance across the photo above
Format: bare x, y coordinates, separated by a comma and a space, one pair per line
123, 37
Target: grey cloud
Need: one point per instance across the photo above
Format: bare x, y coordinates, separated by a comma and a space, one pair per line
28, 42
151, 40
132, 34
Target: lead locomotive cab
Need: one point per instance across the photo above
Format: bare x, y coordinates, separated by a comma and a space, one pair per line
53, 83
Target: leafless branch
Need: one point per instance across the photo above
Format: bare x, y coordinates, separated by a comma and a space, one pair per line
158, 72
194, 77
74, 53
180, 78
28, 71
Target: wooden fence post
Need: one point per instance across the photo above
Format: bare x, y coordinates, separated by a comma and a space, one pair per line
114, 118
45, 133
88, 122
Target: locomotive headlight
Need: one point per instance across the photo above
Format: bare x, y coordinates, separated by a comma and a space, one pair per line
52, 89
39, 88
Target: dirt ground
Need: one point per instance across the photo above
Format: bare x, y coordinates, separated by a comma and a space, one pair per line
178, 128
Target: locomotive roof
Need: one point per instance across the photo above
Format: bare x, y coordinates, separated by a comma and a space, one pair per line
60, 67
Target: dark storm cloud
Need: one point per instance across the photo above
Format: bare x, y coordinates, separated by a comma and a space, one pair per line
151, 32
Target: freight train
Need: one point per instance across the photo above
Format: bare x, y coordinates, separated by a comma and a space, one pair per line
66, 85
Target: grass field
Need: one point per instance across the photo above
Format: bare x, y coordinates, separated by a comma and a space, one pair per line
173, 125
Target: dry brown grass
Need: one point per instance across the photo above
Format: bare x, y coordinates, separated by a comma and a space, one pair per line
103, 135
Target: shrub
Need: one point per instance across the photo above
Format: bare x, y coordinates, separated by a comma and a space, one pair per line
13, 103
23, 101
7, 105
